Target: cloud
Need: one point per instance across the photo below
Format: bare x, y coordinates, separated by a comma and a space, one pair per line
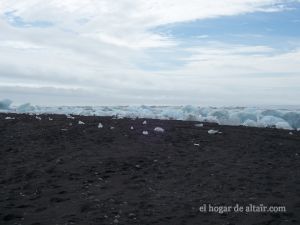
98, 51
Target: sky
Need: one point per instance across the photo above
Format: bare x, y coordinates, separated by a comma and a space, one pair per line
150, 52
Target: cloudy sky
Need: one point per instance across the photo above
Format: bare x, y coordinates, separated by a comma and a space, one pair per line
161, 52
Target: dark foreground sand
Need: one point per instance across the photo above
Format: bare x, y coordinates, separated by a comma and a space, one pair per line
53, 173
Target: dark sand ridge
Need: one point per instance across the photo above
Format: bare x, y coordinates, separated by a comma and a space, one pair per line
54, 173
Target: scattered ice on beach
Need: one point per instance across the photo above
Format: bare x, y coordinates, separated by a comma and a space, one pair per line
5, 104
131, 128
38, 118
145, 132
80, 122
159, 130
199, 125
283, 118
9, 118
100, 125
213, 132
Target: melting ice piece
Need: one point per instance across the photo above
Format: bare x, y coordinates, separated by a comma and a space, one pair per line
213, 132
70, 117
145, 132
199, 125
50, 119
195, 144
159, 129
100, 125
145, 122
131, 128
112, 128
38, 118
80, 122
9, 118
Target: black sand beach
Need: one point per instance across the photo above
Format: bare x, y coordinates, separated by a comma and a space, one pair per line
52, 172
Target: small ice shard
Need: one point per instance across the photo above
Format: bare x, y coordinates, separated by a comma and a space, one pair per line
145, 132
50, 119
195, 144
9, 118
80, 122
213, 132
199, 125
145, 122
64, 129
38, 118
112, 128
159, 129
131, 128
100, 125
70, 117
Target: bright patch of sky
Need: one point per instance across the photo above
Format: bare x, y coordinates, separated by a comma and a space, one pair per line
167, 52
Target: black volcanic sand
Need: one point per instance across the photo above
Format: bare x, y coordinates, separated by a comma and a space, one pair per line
53, 173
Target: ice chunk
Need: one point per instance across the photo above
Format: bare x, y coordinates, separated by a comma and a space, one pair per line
145, 132
159, 130
213, 131
38, 118
26, 108
70, 117
80, 122
199, 125
112, 128
9, 118
50, 119
5, 104
145, 122
131, 128
283, 125
100, 125
250, 123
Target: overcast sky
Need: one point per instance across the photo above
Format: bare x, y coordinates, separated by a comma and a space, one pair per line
161, 52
